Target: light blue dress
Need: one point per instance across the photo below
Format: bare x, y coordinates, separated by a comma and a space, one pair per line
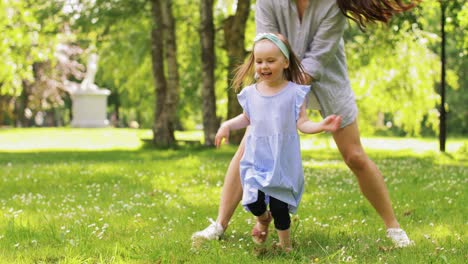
272, 157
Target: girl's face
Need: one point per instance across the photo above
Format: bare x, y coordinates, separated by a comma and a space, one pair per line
269, 62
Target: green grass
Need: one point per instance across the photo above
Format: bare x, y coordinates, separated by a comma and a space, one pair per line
101, 196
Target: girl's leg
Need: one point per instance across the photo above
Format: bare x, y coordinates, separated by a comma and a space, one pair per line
284, 240
280, 212
370, 179
258, 208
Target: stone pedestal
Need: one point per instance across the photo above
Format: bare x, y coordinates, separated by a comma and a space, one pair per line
89, 108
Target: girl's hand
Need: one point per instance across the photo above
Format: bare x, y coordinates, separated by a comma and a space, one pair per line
331, 123
223, 132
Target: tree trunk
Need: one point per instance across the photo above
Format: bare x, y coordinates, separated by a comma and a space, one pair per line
21, 104
442, 125
163, 135
207, 36
234, 38
3, 108
117, 109
172, 93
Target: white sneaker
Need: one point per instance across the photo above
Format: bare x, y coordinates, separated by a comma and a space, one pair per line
212, 232
399, 237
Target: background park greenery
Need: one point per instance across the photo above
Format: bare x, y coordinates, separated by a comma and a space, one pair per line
394, 69
103, 196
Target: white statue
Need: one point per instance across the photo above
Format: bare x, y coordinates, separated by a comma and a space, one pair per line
89, 106
91, 69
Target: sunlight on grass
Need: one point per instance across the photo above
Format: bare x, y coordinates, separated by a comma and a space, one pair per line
71, 138
311, 163
442, 231
131, 139
417, 145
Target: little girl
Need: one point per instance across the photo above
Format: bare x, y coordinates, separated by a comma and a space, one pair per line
274, 108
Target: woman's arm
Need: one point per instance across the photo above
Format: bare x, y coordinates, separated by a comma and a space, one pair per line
325, 42
238, 122
331, 123
264, 18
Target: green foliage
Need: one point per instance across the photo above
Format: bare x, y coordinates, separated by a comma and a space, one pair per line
394, 70
189, 57
94, 196
429, 15
394, 74
126, 67
27, 37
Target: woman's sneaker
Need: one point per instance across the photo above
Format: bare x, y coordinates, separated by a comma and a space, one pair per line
399, 237
212, 232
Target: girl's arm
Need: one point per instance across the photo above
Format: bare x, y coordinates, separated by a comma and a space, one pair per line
331, 123
238, 122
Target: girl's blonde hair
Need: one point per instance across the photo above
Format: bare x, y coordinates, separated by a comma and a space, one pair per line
244, 74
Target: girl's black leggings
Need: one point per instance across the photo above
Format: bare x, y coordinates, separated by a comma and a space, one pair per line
279, 210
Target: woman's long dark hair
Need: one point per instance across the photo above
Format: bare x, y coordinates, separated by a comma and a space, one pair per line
365, 11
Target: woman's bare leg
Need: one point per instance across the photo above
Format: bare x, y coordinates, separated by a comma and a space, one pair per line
231, 193
369, 177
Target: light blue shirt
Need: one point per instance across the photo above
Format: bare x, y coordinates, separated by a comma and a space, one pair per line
272, 158
317, 41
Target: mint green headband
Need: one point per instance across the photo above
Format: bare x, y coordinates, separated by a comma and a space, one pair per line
273, 38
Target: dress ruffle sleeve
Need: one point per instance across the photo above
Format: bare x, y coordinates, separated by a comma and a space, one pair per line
301, 95
242, 98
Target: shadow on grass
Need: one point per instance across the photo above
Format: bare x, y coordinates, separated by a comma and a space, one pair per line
146, 152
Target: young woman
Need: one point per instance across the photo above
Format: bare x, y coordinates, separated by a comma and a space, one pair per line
315, 32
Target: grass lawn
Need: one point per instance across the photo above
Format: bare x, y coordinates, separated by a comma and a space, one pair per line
101, 196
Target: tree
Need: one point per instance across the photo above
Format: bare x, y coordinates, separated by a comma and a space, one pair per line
164, 50
449, 23
207, 42
234, 37
442, 122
